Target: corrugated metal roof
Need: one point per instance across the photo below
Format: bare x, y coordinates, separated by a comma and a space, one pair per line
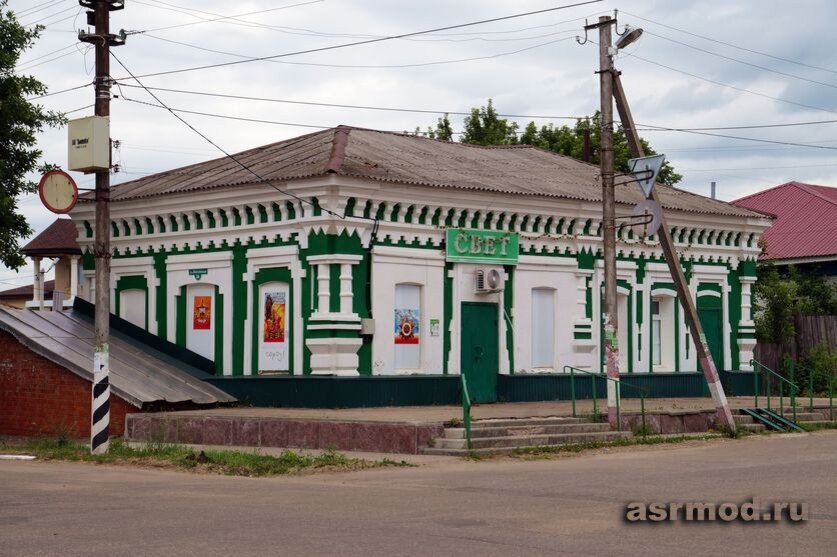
408, 159
138, 373
806, 223
58, 238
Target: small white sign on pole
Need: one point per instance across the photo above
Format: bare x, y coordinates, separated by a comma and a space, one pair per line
645, 171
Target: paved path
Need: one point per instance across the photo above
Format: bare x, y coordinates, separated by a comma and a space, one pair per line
437, 414
570, 506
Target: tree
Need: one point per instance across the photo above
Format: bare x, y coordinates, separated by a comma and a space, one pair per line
484, 127
20, 121
773, 305
570, 142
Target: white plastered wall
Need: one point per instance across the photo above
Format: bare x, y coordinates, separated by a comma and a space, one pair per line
423, 267
558, 273
275, 257
626, 271
135, 266
219, 273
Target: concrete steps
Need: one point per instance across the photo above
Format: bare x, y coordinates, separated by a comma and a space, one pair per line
490, 437
748, 423
804, 419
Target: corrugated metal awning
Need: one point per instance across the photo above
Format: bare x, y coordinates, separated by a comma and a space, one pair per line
138, 374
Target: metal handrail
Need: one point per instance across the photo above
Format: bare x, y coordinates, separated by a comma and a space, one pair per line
466, 410
811, 390
642, 394
794, 389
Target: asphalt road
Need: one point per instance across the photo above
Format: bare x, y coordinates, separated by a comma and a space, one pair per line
572, 505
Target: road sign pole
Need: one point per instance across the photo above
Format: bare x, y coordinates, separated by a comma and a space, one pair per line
683, 294
102, 40
611, 321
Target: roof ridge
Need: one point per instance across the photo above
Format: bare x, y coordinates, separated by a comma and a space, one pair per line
808, 188
755, 194
338, 149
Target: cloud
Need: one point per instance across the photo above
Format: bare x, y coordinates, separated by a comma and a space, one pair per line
556, 79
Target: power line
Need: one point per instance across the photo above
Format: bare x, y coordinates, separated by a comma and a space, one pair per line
722, 84
757, 168
38, 8
462, 113
34, 22
745, 49
314, 33
315, 126
352, 106
220, 18
368, 41
744, 62
59, 92
27, 62
241, 164
696, 132
30, 66
366, 66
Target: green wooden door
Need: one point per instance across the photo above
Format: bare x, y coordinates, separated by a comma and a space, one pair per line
480, 350
710, 319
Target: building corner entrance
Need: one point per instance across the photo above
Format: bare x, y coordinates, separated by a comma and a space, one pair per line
480, 350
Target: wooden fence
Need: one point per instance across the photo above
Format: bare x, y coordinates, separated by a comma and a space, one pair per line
811, 330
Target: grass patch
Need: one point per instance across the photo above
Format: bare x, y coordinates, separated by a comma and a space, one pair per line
228, 462
579, 447
817, 426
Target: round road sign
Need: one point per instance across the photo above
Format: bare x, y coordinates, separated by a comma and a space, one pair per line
58, 191
653, 214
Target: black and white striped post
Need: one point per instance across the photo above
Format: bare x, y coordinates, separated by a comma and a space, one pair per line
100, 422
99, 14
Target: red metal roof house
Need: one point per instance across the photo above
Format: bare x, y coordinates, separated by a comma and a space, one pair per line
805, 229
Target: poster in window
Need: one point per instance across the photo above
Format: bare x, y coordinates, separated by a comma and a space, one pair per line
202, 313
407, 326
274, 317
274, 322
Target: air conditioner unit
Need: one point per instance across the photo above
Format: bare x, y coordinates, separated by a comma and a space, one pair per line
487, 281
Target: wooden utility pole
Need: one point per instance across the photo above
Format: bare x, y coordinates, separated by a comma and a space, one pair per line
683, 294
611, 322
102, 41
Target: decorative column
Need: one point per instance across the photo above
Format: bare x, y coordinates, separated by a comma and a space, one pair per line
346, 295
333, 337
746, 326
73, 276
323, 293
37, 287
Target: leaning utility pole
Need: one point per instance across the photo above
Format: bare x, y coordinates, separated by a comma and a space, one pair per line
683, 294
102, 40
611, 322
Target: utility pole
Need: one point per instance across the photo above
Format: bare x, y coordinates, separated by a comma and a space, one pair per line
99, 15
611, 321
683, 294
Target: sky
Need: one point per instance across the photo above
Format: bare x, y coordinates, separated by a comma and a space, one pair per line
698, 64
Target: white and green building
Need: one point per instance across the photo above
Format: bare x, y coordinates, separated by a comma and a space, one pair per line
354, 253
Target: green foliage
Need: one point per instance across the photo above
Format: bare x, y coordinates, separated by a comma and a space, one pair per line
235, 463
777, 299
484, 127
815, 294
773, 304
814, 370
20, 120
570, 142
